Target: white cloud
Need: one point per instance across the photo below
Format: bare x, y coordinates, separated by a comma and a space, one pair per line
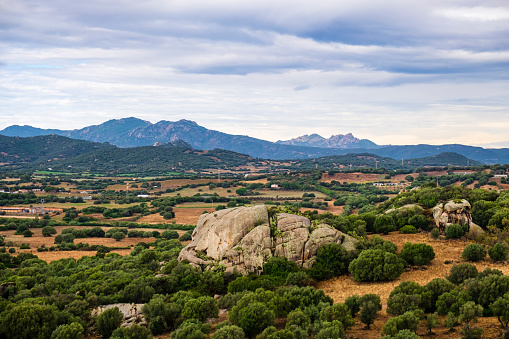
396, 71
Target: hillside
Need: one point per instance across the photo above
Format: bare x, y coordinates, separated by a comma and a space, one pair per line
65, 154
369, 160
42, 148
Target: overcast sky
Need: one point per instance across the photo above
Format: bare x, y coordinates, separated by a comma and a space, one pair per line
393, 71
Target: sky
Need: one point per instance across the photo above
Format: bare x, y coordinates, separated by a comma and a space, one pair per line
393, 71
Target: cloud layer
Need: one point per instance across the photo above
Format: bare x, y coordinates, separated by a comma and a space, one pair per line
397, 71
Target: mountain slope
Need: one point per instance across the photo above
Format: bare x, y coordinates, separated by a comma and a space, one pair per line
133, 132
335, 141
42, 148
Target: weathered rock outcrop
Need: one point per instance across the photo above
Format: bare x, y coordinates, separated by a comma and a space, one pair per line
243, 238
456, 212
132, 313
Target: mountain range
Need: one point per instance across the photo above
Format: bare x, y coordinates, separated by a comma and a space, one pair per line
134, 132
63, 154
345, 141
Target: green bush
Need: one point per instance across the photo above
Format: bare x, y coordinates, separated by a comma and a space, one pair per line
462, 272
408, 229
331, 330
407, 296
109, 321
455, 231
407, 321
200, 308
299, 278
376, 265
353, 303
403, 334
279, 267
298, 318
186, 236
253, 318
133, 332
170, 234
384, 224
498, 252
229, 332
332, 260
339, 312
71, 331
29, 321
191, 329
417, 254
473, 252
435, 233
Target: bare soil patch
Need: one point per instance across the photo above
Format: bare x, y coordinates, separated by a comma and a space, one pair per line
352, 177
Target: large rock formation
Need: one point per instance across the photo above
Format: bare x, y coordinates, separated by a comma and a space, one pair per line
244, 238
452, 212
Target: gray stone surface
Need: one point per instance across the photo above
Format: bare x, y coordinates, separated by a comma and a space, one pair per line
242, 239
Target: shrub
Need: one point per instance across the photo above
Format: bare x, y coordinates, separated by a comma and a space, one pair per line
417, 254
170, 234
407, 321
191, 329
384, 224
368, 312
337, 312
229, 332
405, 297
376, 265
253, 318
186, 236
500, 309
331, 330
408, 229
299, 278
498, 252
353, 303
462, 272
71, 331
133, 332
434, 289
29, 321
432, 321
473, 252
455, 231
27, 233
279, 267
332, 260
200, 308
435, 233
298, 318
403, 334
109, 321
48, 231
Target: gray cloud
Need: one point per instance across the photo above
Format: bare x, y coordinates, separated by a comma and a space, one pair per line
271, 69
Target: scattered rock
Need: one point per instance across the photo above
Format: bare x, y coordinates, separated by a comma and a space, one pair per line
132, 313
456, 212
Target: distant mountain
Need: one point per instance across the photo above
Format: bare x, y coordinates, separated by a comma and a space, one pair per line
336, 141
133, 132
28, 131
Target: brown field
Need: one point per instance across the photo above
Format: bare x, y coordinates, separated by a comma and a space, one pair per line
353, 177
37, 240
342, 287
